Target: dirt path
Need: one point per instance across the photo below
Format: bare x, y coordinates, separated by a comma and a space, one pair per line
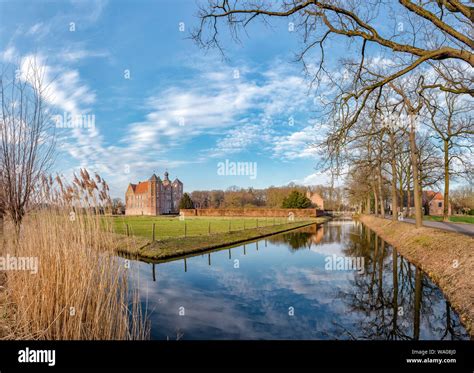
447, 257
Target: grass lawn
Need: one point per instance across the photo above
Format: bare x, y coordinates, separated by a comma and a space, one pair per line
180, 246
172, 227
455, 219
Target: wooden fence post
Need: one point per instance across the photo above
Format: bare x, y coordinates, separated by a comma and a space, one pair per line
185, 229
153, 233
209, 228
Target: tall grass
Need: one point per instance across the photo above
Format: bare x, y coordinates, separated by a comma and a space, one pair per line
80, 290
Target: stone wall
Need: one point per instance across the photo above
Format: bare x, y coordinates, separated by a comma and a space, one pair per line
253, 212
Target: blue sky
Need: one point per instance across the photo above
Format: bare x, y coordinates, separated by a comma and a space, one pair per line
182, 109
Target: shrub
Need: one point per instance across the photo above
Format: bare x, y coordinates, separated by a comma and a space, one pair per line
296, 200
186, 202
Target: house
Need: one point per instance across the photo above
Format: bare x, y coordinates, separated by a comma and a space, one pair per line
315, 199
154, 196
433, 203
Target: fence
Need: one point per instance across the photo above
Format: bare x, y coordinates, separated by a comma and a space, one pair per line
189, 227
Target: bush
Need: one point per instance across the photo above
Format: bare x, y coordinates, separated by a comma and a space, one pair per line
296, 200
186, 202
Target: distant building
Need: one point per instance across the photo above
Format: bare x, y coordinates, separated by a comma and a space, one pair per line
433, 203
315, 199
154, 196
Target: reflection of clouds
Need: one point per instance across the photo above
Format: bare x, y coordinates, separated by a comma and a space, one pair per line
233, 307
327, 249
252, 302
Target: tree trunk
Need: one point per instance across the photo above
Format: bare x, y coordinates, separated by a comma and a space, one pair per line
416, 178
368, 204
446, 181
409, 190
2, 240
394, 179
376, 207
379, 177
401, 190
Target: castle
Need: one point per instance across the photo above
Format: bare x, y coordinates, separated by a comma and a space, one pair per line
154, 196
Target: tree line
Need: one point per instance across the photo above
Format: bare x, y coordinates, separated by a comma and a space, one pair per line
289, 196
397, 108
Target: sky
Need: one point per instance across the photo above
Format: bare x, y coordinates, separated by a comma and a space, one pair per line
155, 101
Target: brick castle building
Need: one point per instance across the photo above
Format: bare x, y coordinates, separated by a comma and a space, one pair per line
154, 196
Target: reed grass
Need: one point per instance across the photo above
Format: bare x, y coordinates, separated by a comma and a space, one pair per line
81, 290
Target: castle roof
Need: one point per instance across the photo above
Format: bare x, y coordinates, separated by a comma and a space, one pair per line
142, 187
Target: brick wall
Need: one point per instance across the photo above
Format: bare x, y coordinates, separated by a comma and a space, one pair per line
252, 212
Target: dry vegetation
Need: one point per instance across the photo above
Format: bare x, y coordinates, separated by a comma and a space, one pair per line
81, 289
447, 257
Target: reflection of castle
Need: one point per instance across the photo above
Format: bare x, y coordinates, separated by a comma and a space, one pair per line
318, 236
154, 196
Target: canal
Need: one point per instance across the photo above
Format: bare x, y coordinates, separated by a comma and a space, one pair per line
337, 280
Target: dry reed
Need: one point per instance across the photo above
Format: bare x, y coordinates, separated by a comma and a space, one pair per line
81, 289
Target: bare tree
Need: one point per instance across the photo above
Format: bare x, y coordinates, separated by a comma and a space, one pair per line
432, 32
449, 116
26, 136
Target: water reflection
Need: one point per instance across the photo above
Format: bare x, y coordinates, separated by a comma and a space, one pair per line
247, 292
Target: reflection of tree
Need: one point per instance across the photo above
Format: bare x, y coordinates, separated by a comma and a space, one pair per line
300, 239
392, 295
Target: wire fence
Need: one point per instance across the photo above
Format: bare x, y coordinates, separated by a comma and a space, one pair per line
160, 228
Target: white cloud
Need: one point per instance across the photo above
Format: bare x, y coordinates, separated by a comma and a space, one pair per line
299, 144
62, 86
319, 178
9, 54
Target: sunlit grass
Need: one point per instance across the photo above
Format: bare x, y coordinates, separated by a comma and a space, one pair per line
168, 227
455, 219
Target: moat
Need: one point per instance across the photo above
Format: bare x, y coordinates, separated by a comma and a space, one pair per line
285, 287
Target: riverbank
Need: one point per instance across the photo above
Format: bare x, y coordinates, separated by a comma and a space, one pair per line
178, 246
447, 257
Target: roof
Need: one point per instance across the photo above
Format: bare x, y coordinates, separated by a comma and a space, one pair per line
438, 196
431, 195
142, 187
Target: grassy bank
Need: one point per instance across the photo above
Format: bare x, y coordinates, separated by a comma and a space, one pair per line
468, 219
172, 226
447, 257
178, 246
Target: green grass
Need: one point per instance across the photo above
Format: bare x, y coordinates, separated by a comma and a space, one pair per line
172, 227
455, 219
179, 246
